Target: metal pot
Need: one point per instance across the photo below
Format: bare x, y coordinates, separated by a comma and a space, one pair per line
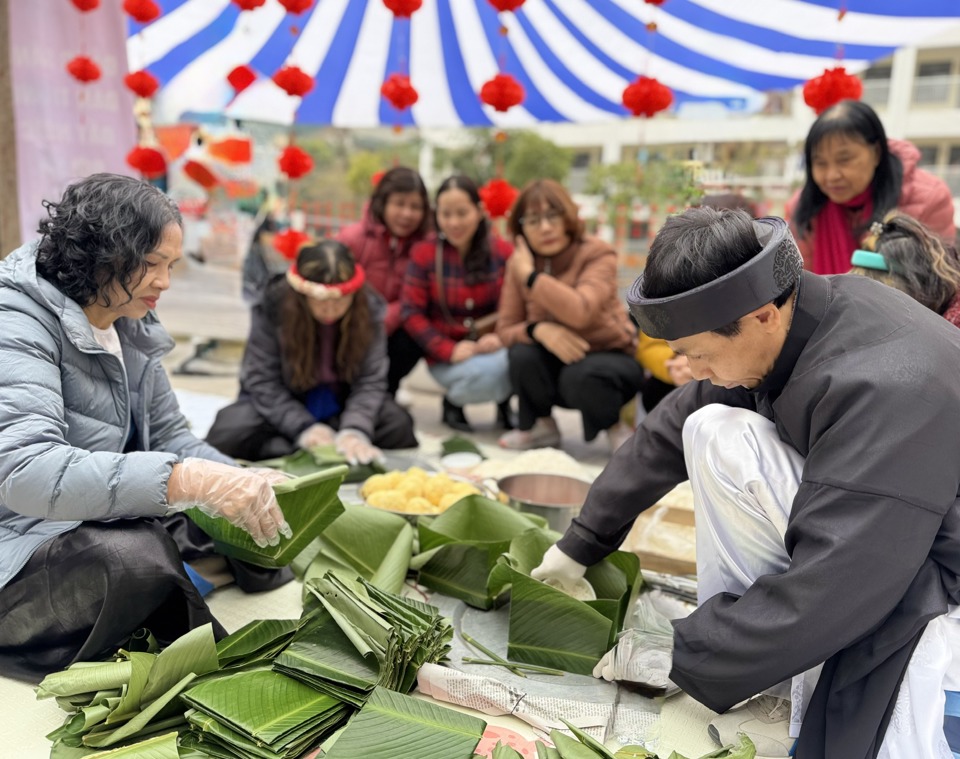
554, 497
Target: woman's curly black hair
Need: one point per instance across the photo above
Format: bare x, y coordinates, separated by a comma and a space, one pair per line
101, 231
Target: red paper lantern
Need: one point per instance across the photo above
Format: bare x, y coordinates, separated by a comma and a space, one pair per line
83, 69
502, 92
403, 8
148, 161
654, 2
142, 83
832, 86
294, 81
498, 196
142, 11
295, 162
375, 179
249, 5
201, 174
398, 90
506, 5
289, 242
647, 96
241, 77
85, 5
296, 6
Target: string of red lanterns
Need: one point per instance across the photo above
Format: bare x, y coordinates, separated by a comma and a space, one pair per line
832, 86
498, 196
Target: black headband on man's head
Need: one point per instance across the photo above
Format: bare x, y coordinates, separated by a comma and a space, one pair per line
724, 300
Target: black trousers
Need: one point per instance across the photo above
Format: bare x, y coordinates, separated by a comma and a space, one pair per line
83, 593
242, 432
403, 352
596, 386
653, 391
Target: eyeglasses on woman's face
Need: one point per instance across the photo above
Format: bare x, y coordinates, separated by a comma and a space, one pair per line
535, 220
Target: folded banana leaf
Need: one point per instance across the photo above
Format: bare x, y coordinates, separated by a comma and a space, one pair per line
459, 444
549, 628
317, 459
262, 713
460, 547
394, 726
260, 640
362, 542
309, 503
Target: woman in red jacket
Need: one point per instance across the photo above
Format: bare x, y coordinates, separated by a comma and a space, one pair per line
854, 177
397, 217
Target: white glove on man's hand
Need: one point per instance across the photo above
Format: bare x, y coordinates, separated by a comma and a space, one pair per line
558, 566
356, 447
243, 497
315, 435
639, 657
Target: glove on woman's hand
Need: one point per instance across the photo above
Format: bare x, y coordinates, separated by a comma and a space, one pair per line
315, 435
241, 496
557, 565
356, 447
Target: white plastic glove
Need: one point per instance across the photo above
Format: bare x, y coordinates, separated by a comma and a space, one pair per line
556, 565
241, 496
315, 435
356, 447
639, 657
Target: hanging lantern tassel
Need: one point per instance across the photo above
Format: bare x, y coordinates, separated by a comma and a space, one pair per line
295, 162
506, 5
502, 92
83, 69
289, 242
85, 5
398, 90
403, 8
142, 11
647, 96
142, 83
498, 196
832, 86
241, 77
148, 161
294, 81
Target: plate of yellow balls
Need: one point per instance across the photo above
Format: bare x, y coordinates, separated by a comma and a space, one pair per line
414, 491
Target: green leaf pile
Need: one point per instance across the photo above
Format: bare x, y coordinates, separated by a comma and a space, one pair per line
317, 459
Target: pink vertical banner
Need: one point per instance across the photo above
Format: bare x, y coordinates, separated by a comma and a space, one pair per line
66, 130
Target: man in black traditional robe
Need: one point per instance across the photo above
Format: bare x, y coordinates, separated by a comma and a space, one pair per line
858, 385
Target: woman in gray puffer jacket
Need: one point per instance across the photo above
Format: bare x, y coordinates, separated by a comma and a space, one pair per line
95, 456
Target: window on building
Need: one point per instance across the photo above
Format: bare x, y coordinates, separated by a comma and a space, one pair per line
582, 159
953, 157
933, 82
876, 85
928, 155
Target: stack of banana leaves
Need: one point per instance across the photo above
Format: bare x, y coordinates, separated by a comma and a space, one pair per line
318, 458
354, 637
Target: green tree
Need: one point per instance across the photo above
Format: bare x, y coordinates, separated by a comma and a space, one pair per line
524, 156
363, 165
654, 181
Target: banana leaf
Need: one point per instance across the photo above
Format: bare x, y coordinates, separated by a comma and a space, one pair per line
394, 726
140, 724
159, 747
362, 542
502, 751
546, 752
317, 459
195, 652
310, 504
459, 444
589, 741
461, 546
634, 752
549, 628
78, 678
256, 641
141, 664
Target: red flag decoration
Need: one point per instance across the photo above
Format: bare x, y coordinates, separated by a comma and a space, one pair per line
148, 161
506, 5
498, 196
201, 174
85, 5
241, 77
142, 11
294, 81
832, 86
403, 8
296, 6
502, 92
249, 5
398, 90
289, 242
142, 83
646, 96
295, 162
83, 69
231, 149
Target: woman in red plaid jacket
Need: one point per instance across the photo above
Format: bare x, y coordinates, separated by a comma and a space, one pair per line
450, 300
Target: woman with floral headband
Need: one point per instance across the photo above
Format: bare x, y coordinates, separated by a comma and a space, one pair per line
314, 371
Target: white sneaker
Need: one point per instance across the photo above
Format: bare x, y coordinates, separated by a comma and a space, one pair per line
403, 397
763, 719
618, 434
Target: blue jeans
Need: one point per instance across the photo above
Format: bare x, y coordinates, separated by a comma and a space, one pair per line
479, 379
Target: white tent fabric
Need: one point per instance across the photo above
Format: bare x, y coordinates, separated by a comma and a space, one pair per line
573, 57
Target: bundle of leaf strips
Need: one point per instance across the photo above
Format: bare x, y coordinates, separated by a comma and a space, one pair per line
130, 698
354, 637
259, 713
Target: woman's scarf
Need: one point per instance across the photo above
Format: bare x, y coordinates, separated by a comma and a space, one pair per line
833, 238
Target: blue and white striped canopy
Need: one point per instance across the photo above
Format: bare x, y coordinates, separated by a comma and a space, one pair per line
573, 57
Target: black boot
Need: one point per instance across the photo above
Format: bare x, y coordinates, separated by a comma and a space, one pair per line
505, 417
454, 417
